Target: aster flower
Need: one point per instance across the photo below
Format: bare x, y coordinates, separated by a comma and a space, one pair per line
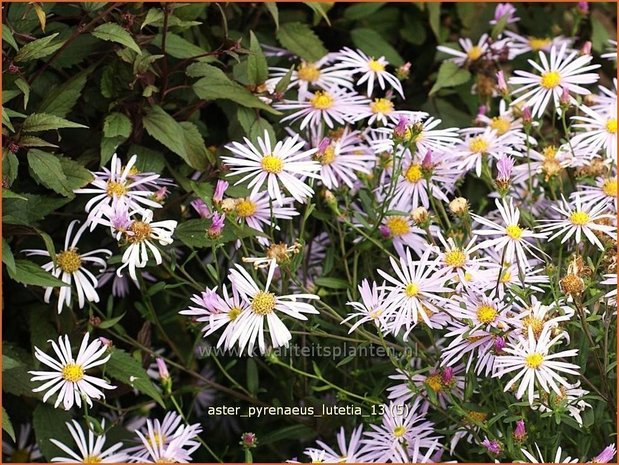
476, 147
470, 52
604, 191
372, 69
348, 449
91, 450
70, 267
382, 111
371, 308
284, 165
563, 71
599, 131
24, 449
68, 377
540, 457
579, 219
570, 399
264, 306
403, 233
532, 359
414, 291
506, 10
141, 236
116, 184
335, 105
519, 44
509, 237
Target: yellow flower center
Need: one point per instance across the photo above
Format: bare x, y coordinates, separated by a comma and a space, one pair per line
134, 170
375, 314
384, 106
141, 231
434, 382
534, 323
579, 218
308, 72
156, 440
72, 372
413, 173
399, 431
69, 261
478, 145
474, 52
263, 303
533, 360
486, 314
245, 208
398, 225
514, 231
478, 417
234, 313
92, 459
610, 187
455, 258
506, 277
500, 125
411, 290
550, 79
549, 152
537, 43
272, 164
116, 189
328, 156
165, 460
611, 125
321, 100
376, 66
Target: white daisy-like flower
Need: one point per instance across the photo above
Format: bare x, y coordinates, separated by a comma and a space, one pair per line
382, 111
371, 308
319, 74
372, 69
422, 133
68, 377
402, 231
470, 52
532, 359
611, 54
264, 306
487, 144
571, 399
24, 449
285, 165
509, 238
335, 105
70, 268
599, 131
118, 184
519, 44
579, 218
604, 191
540, 457
141, 236
563, 71
91, 450
415, 290
348, 450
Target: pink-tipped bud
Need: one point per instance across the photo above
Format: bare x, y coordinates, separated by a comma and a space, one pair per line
220, 189
494, 446
520, 433
400, 129
447, 376
163, 369
217, 226
323, 145
403, 72
201, 208
499, 344
248, 440
501, 83
426, 163
161, 194
526, 115
583, 7
105, 341
586, 48
565, 97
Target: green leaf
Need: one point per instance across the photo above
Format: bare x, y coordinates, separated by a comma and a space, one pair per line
61, 99
16, 211
7, 36
76, 174
117, 124
111, 322
599, 36
284, 82
39, 48
114, 33
108, 147
177, 47
183, 139
253, 125
253, 381
272, 9
257, 69
362, 10
10, 166
48, 171
434, 15
6, 121
34, 141
6, 423
37, 122
331, 283
49, 243
25, 88
8, 363
29, 273
7, 256
320, 9
301, 40
449, 75
126, 369
372, 43
216, 85
50, 423
8, 194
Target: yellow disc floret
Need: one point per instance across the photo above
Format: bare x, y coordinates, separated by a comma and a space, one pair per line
321, 100
376, 66
308, 72
116, 189
411, 290
514, 231
579, 218
610, 187
413, 173
141, 231
398, 226
72, 372
478, 145
245, 208
455, 258
500, 125
486, 314
69, 261
534, 360
550, 79
263, 303
272, 164
381, 105
611, 125
474, 52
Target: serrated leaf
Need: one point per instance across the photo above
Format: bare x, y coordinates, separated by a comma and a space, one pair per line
320, 9
18, 211
25, 88
372, 43
257, 69
7, 36
39, 48
117, 124
38, 122
301, 40
126, 369
114, 33
76, 174
272, 9
6, 121
7, 426
7, 256
48, 171
50, 423
177, 47
29, 273
216, 85
34, 141
362, 10
108, 147
61, 99
449, 75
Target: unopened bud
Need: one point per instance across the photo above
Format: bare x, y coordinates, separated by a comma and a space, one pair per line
459, 206
420, 215
217, 226
501, 84
220, 189
520, 433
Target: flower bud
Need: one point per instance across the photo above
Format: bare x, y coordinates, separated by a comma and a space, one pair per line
400, 130
520, 433
583, 8
164, 375
493, 446
220, 188
586, 48
201, 208
501, 84
459, 206
420, 215
217, 226
403, 72
249, 440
